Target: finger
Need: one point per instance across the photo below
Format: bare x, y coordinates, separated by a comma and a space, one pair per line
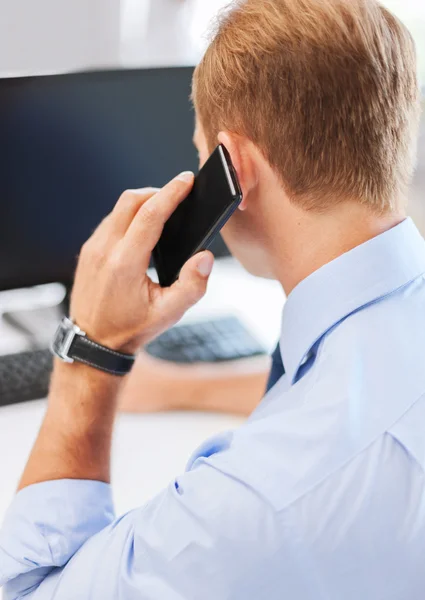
127, 207
114, 226
190, 286
147, 225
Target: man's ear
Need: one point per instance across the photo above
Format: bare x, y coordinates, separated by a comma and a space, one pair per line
243, 161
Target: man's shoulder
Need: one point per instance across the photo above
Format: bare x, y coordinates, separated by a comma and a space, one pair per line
373, 361
367, 377
300, 456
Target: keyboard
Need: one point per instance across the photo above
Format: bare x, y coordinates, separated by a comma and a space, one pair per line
26, 375
216, 340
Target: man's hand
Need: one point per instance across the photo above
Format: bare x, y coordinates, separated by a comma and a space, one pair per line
114, 301
117, 305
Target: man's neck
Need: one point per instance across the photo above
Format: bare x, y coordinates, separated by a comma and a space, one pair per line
312, 240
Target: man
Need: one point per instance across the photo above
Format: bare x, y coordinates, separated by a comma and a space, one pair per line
322, 493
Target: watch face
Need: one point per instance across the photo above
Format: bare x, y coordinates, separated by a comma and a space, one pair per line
60, 336
62, 340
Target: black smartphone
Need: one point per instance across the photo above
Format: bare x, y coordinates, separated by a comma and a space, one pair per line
195, 223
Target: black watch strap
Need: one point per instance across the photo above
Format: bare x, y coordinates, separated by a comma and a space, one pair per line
71, 344
90, 353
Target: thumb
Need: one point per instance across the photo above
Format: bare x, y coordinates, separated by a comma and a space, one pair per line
191, 284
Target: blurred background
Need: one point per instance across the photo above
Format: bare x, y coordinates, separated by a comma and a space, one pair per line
57, 36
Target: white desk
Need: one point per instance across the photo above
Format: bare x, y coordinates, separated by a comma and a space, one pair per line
149, 450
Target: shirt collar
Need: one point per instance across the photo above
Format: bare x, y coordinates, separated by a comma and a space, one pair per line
357, 278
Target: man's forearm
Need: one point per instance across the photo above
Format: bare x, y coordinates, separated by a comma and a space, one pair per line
236, 393
234, 387
74, 441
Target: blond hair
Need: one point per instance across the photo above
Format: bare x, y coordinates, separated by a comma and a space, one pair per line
326, 89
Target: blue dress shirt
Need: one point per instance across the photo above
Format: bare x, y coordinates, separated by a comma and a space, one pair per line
320, 495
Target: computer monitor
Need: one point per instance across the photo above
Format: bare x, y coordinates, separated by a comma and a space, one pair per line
69, 145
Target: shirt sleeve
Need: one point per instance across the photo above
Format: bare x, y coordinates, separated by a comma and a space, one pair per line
46, 524
202, 536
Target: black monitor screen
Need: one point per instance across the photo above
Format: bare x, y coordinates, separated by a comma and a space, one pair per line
69, 145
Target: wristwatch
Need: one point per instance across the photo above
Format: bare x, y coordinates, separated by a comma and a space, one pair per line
71, 344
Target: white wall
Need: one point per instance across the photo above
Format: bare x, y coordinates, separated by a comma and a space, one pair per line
39, 36
165, 32
46, 36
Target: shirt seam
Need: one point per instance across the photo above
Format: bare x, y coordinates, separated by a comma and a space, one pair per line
399, 441
406, 449
347, 462
242, 482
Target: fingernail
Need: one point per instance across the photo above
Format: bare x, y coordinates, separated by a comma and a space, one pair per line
205, 265
186, 176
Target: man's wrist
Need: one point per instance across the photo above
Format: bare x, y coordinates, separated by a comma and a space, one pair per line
71, 344
83, 397
79, 375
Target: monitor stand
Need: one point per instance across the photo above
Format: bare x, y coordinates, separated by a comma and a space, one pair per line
29, 317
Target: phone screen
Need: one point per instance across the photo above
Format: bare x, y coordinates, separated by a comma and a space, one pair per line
198, 219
